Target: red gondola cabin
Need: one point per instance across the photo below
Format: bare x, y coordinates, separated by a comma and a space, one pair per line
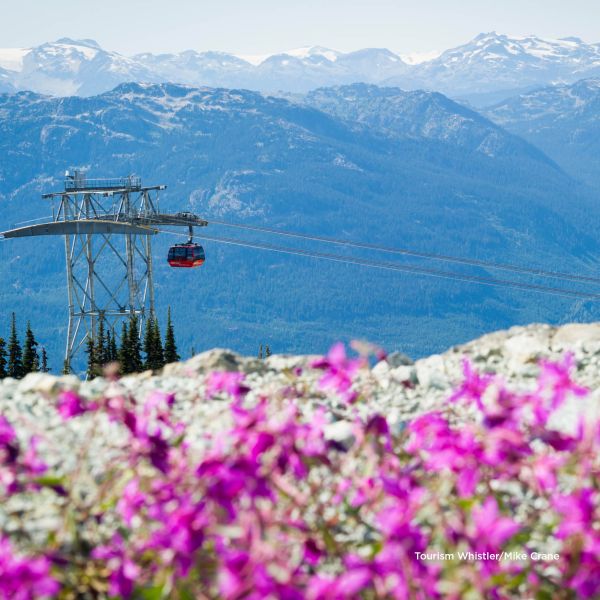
186, 255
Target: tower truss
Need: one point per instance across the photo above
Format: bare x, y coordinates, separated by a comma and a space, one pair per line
107, 226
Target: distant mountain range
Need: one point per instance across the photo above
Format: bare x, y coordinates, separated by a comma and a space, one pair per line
403, 169
487, 69
563, 121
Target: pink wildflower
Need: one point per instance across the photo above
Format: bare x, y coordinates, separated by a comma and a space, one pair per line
123, 571
24, 578
490, 530
226, 381
339, 372
70, 405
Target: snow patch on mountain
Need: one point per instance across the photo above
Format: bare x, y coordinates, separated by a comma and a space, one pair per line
12, 58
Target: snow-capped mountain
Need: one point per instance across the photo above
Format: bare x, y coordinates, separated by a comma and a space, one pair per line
5, 81
70, 67
197, 68
487, 69
493, 63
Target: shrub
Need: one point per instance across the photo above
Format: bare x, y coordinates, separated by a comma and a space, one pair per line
272, 508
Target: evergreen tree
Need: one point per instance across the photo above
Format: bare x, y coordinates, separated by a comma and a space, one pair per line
159, 355
31, 360
152, 345
112, 347
36, 363
135, 346
92, 359
44, 367
3, 363
15, 355
260, 355
170, 346
267, 351
149, 343
102, 344
124, 351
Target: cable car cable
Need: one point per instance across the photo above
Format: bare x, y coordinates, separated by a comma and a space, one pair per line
408, 252
402, 268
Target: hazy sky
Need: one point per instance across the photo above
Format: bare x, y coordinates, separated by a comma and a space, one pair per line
266, 26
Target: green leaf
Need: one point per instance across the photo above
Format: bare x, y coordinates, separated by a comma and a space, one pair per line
153, 593
51, 481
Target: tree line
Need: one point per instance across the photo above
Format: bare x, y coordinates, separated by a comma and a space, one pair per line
134, 354
16, 360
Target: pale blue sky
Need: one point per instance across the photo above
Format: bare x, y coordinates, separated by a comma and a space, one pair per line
266, 26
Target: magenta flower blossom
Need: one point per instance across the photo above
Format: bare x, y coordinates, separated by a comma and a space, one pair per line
226, 381
32, 463
490, 530
70, 405
131, 502
473, 386
339, 372
24, 578
123, 571
443, 448
578, 512
9, 446
556, 377
272, 508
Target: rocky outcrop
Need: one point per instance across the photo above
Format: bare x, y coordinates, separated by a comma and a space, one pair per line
397, 387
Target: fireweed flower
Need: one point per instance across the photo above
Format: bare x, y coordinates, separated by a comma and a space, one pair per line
339, 372
123, 571
9, 446
489, 529
443, 448
473, 386
70, 405
272, 509
24, 578
226, 381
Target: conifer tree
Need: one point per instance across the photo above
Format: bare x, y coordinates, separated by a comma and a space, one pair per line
149, 343
135, 346
15, 354
92, 360
101, 344
3, 363
152, 345
170, 346
44, 366
267, 351
124, 352
36, 363
113, 353
260, 354
31, 360
159, 355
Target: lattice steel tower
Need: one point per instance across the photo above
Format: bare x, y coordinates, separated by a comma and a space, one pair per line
108, 226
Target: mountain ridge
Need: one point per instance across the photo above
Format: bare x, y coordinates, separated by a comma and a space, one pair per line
240, 156
487, 68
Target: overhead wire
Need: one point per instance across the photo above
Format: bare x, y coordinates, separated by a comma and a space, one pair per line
395, 267
414, 253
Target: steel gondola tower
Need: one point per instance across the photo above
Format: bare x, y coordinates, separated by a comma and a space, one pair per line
108, 226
